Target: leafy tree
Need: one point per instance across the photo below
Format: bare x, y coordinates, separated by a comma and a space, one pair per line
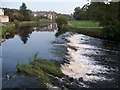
13, 14
17, 16
105, 13
81, 13
77, 13
23, 9
25, 12
108, 14
61, 21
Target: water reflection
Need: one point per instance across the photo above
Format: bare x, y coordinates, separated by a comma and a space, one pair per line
21, 44
25, 32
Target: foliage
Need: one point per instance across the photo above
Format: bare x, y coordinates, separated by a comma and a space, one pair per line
86, 27
112, 31
16, 23
61, 21
106, 14
13, 14
33, 71
40, 68
80, 13
8, 28
23, 14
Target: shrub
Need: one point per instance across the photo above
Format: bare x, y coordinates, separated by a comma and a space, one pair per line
112, 31
61, 21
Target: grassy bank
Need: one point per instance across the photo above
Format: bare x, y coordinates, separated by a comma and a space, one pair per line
95, 32
40, 68
84, 24
92, 28
8, 27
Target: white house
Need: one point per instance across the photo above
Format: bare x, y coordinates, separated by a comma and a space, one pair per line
3, 18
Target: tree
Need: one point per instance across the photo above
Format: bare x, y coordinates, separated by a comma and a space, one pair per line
77, 13
13, 14
61, 21
23, 9
81, 13
17, 16
25, 12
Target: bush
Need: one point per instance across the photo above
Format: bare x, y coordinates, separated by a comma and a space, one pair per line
8, 28
112, 31
61, 21
16, 23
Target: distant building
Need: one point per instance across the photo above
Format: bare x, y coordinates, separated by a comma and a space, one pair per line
3, 18
50, 15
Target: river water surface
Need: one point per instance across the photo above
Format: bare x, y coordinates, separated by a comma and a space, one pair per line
95, 60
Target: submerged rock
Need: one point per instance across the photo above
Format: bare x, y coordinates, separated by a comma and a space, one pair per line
80, 79
71, 79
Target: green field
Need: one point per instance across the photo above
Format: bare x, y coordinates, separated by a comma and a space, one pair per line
84, 24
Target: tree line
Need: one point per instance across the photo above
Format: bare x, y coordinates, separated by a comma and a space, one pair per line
108, 14
22, 14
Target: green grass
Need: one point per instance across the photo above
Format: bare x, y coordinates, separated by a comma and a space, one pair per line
40, 68
35, 71
91, 28
84, 24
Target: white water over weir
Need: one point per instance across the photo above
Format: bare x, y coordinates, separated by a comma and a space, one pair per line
81, 65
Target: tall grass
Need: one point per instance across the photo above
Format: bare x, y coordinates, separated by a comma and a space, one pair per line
40, 68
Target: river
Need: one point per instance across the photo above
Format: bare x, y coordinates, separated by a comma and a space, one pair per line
93, 59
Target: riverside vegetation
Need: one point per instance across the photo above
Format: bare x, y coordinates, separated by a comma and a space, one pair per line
95, 19
20, 18
48, 73
40, 68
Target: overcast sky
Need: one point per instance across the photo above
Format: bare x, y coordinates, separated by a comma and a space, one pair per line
60, 6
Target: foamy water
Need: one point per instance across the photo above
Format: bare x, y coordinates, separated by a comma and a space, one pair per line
81, 65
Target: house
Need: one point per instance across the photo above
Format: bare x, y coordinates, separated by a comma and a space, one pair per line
50, 14
3, 18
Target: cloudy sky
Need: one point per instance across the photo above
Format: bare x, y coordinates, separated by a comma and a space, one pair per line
60, 6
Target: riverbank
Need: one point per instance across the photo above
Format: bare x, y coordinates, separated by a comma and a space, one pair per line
91, 28
8, 27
